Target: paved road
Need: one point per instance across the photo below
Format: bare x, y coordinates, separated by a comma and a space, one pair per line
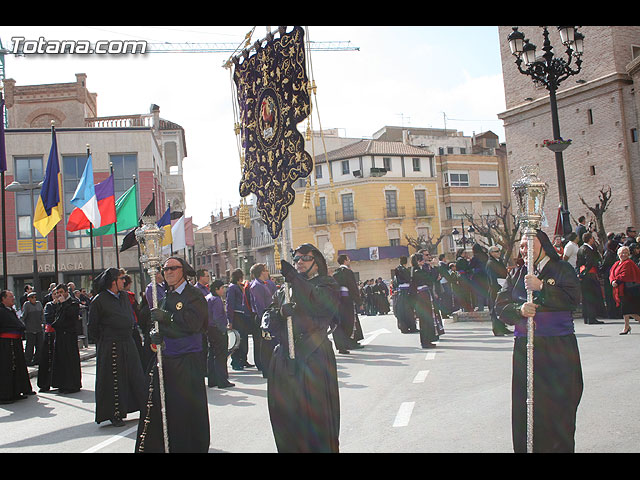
395, 397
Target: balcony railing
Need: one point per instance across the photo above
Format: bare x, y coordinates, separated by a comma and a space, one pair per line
346, 216
394, 212
120, 121
425, 211
319, 219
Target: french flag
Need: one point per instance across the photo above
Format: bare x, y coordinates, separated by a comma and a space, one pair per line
105, 206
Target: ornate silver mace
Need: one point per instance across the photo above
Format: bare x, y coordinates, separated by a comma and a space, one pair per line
530, 193
149, 237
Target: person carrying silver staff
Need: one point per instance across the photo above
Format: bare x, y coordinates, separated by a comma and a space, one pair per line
302, 389
557, 376
182, 319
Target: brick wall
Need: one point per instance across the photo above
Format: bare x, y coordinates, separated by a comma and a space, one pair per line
602, 154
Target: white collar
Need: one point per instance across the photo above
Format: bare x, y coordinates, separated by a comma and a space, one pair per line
541, 264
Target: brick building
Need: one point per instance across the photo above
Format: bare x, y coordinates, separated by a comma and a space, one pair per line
598, 110
143, 145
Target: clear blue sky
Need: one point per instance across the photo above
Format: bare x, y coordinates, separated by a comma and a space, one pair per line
401, 75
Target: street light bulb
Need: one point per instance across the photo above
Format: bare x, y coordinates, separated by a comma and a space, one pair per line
14, 187
578, 44
516, 41
567, 35
529, 52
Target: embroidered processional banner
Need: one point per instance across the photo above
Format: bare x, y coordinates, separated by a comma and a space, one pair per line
273, 98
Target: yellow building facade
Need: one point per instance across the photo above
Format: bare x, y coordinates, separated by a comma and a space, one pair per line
366, 198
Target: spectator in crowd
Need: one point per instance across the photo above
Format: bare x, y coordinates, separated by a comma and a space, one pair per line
588, 264
496, 273
239, 318
571, 249
33, 319
14, 376
610, 257
261, 290
479, 282
581, 229
625, 280
217, 373
66, 374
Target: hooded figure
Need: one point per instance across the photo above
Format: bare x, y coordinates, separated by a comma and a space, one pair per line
182, 320
557, 371
302, 392
119, 387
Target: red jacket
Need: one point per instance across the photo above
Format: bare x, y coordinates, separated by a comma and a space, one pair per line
626, 271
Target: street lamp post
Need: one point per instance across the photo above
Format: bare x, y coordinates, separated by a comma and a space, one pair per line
462, 240
16, 186
550, 71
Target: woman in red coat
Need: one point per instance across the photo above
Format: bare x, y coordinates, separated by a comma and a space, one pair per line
623, 274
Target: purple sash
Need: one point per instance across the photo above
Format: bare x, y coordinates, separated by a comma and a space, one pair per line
182, 345
548, 324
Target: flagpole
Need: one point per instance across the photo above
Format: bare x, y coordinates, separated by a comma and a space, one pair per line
169, 207
55, 229
93, 265
4, 216
143, 279
4, 237
115, 226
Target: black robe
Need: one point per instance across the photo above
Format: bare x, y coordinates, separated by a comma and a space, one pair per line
421, 285
588, 264
403, 302
120, 380
557, 371
14, 376
47, 348
348, 330
183, 365
302, 394
66, 374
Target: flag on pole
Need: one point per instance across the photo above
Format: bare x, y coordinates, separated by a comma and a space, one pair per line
3, 151
126, 214
49, 207
106, 198
559, 228
85, 198
178, 236
188, 232
130, 239
165, 223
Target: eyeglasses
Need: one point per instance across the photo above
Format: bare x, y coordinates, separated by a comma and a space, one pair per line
171, 268
304, 258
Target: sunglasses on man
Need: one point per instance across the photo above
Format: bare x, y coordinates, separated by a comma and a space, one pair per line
304, 258
171, 268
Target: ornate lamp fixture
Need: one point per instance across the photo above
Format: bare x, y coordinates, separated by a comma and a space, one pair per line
530, 194
149, 237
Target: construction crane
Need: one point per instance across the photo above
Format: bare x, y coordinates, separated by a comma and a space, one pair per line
186, 47
194, 47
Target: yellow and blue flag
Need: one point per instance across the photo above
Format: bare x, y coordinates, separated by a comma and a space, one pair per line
165, 224
49, 207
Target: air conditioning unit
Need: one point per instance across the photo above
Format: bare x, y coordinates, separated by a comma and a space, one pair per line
378, 172
357, 173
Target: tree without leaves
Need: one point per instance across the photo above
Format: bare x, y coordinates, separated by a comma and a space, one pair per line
598, 210
426, 242
501, 229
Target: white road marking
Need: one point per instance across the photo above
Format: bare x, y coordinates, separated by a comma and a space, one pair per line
371, 336
430, 356
109, 441
404, 414
421, 376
